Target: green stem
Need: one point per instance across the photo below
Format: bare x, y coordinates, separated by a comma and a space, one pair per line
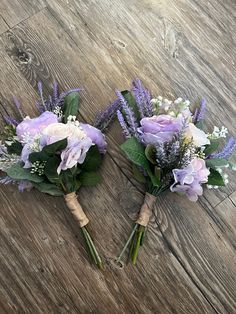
137, 246
98, 260
127, 243
90, 250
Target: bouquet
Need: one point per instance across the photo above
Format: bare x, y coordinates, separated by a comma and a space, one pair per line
169, 150
54, 153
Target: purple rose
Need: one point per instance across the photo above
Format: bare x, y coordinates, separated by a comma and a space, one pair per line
160, 128
189, 179
74, 153
35, 125
96, 136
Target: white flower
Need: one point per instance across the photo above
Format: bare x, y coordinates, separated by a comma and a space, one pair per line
178, 100
218, 133
58, 131
198, 136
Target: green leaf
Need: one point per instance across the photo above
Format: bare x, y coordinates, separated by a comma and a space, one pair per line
215, 178
150, 153
158, 173
93, 159
135, 152
132, 103
199, 124
51, 149
50, 169
15, 148
155, 180
89, 178
216, 162
49, 188
17, 172
38, 156
138, 175
212, 147
71, 105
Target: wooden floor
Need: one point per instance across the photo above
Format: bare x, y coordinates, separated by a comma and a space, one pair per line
179, 48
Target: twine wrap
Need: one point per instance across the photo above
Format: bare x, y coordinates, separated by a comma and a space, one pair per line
146, 210
76, 209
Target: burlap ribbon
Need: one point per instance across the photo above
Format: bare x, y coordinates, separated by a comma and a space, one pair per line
146, 210
76, 209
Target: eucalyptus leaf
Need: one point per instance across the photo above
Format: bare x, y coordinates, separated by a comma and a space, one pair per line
212, 147
71, 105
51, 149
216, 162
15, 148
93, 159
38, 156
50, 169
89, 178
215, 178
17, 172
48, 188
138, 174
199, 125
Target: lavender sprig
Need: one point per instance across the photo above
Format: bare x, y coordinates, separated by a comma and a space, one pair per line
104, 118
130, 117
199, 113
143, 99
123, 125
10, 120
227, 150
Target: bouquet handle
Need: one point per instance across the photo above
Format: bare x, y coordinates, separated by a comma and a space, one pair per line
80, 216
146, 210
136, 237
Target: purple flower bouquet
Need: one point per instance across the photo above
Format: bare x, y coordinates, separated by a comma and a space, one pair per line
54, 153
169, 150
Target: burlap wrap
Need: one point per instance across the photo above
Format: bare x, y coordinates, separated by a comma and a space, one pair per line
75, 208
146, 210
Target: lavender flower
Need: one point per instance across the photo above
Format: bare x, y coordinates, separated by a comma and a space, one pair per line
96, 136
200, 112
189, 179
123, 124
10, 120
227, 150
130, 117
55, 92
104, 118
53, 100
24, 185
143, 99
74, 153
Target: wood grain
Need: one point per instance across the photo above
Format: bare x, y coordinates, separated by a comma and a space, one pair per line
188, 262
15, 11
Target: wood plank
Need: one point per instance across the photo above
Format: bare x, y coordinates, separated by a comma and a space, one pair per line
3, 25
15, 11
44, 266
160, 37
54, 54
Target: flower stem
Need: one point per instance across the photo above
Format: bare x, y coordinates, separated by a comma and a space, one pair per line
91, 248
127, 243
140, 233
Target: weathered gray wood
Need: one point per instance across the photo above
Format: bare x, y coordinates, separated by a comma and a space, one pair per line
188, 262
15, 11
3, 25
